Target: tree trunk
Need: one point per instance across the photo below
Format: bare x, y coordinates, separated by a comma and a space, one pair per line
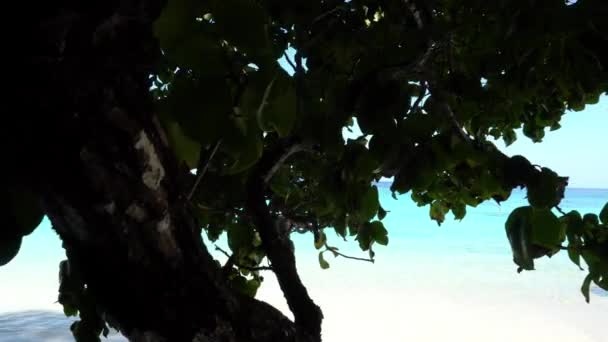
110, 184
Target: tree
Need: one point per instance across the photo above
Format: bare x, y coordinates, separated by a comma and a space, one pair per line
125, 97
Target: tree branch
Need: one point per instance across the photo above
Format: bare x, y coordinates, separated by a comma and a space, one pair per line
421, 66
455, 125
281, 160
420, 98
290, 62
334, 250
403, 72
278, 246
326, 14
232, 262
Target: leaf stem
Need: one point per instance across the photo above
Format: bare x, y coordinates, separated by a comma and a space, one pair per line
334, 250
290, 62
560, 210
201, 173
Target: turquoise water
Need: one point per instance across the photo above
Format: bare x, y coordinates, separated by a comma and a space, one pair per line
472, 253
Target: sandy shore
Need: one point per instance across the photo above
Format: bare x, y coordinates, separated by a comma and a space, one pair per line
386, 302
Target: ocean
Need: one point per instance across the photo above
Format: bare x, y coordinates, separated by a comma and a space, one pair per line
452, 282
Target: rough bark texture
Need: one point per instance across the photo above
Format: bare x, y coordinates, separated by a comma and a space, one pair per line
110, 185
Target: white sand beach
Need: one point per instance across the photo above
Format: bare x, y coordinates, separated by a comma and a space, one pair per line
454, 283
369, 303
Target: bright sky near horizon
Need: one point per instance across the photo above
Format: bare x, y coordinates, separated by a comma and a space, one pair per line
579, 149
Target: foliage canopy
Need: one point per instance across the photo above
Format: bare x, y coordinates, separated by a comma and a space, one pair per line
430, 89
431, 84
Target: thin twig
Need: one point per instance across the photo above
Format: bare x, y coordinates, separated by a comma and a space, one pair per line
415, 68
201, 173
326, 14
289, 61
455, 124
560, 210
432, 46
419, 99
264, 102
334, 250
291, 150
249, 268
299, 67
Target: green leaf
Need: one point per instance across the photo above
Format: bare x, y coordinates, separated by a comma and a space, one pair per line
252, 287
365, 165
364, 236
214, 231
277, 105
604, 214
381, 213
421, 198
574, 223
248, 287
242, 23
518, 233
340, 228
402, 183
200, 53
437, 211
547, 230
322, 262
245, 147
509, 136
590, 220
369, 204
26, 210
175, 22
9, 247
546, 191
202, 107
586, 286
379, 233
240, 237
575, 257
533, 233
321, 241
517, 170
534, 132
261, 109
280, 183
185, 149
459, 210
70, 310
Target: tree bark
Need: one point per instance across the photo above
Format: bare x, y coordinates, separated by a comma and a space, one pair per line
112, 188
279, 248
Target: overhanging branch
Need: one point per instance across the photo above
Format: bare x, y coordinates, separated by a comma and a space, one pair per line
276, 242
